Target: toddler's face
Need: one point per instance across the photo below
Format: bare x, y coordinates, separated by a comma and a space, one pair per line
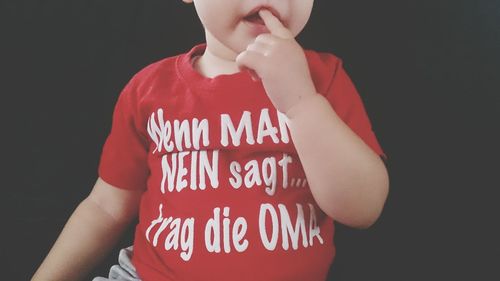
235, 23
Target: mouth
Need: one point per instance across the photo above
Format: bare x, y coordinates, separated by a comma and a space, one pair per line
254, 17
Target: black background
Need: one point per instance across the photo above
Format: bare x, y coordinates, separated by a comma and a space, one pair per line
426, 70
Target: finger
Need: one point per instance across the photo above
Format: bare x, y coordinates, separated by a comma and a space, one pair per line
259, 47
266, 38
274, 24
249, 60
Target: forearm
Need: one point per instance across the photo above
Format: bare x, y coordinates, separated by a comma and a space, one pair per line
86, 238
347, 179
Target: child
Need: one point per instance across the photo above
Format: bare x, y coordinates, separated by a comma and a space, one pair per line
237, 156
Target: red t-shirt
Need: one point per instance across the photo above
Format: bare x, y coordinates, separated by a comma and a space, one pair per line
226, 197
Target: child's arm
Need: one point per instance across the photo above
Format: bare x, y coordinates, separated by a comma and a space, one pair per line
90, 233
347, 179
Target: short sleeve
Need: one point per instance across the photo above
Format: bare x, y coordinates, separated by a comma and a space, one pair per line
347, 103
123, 160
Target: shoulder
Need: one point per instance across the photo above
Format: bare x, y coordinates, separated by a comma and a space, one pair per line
322, 60
150, 74
155, 75
323, 67
140, 87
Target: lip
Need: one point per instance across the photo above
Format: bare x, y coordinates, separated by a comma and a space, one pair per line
269, 8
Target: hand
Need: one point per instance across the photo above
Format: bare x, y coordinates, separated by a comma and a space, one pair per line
279, 61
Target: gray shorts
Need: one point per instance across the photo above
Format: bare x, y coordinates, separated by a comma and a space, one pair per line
124, 270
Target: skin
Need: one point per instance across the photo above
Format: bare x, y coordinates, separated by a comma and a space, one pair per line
351, 186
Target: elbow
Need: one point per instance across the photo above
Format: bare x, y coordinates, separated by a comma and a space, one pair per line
365, 222
361, 211
360, 221
373, 208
